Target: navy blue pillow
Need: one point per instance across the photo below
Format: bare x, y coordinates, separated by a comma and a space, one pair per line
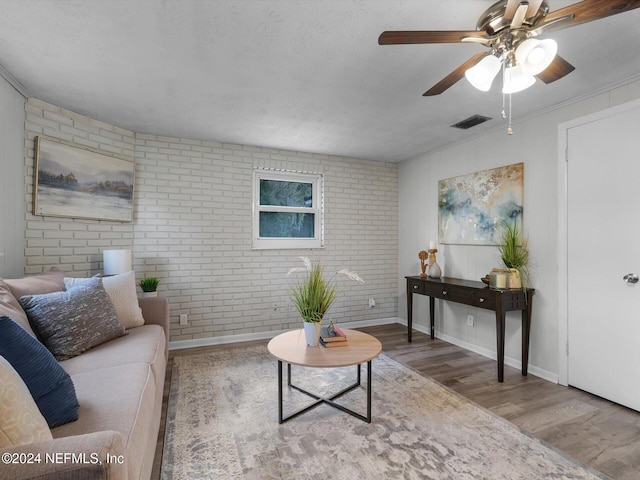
50, 386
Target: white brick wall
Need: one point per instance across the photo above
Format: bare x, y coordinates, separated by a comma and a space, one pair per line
192, 228
74, 245
193, 231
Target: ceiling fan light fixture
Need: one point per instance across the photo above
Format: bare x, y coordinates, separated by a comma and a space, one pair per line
481, 75
534, 55
515, 80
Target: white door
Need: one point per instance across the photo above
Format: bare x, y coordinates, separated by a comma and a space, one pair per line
604, 246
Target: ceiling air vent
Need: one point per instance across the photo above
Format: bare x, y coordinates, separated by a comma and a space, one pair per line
472, 121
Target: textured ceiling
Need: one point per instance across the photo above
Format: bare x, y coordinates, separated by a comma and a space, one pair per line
303, 75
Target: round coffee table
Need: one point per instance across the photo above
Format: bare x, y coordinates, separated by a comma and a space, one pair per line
290, 347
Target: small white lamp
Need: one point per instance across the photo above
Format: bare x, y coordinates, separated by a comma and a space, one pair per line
116, 261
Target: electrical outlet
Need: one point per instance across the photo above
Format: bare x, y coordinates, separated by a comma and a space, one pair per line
470, 320
183, 319
274, 307
372, 303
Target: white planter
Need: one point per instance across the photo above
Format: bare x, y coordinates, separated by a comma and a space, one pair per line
149, 294
312, 333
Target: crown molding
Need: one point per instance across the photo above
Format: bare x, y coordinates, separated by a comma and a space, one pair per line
4, 73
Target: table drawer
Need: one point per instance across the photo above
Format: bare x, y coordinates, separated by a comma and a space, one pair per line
484, 299
415, 286
453, 293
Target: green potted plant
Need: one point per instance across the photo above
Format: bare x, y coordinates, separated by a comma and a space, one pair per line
314, 294
515, 255
149, 286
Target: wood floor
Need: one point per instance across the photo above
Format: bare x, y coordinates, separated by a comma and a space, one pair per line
597, 432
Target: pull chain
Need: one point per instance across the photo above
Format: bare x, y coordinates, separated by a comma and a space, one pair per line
509, 129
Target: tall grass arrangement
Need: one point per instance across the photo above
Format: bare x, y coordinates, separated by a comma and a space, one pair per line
513, 250
314, 294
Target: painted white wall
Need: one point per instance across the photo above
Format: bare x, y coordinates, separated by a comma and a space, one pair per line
11, 181
534, 142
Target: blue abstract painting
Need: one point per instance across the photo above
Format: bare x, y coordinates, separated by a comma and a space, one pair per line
472, 208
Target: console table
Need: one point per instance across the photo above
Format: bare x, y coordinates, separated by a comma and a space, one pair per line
479, 295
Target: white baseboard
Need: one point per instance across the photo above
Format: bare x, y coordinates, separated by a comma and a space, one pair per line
512, 362
246, 337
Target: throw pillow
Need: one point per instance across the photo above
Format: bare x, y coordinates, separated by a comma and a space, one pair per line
20, 420
50, 386
52, 281
71, 322
70, 282
10, 307
122, 293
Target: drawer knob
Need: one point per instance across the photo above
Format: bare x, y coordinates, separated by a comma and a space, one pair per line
444, 292
415, 287
482, 300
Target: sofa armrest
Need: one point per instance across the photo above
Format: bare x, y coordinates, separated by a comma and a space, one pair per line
98, 455
155, 310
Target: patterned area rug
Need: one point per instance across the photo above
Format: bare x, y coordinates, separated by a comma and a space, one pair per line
222, 423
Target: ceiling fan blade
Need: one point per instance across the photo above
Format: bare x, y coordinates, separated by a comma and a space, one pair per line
589, 10
558, 69
454, 76
426, 36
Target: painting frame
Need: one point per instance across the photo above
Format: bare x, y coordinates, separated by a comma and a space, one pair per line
472, 208
75, 182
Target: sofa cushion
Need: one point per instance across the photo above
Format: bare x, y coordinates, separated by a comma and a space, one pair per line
20, 420
144, 344
49, 282
10, 307
49, 384
121, 399
71, 322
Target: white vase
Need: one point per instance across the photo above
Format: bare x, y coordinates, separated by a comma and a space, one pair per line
312, 333
434, 271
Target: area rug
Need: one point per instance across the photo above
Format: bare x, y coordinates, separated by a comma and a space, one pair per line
222, 423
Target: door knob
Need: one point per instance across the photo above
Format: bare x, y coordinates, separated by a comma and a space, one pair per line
631, 278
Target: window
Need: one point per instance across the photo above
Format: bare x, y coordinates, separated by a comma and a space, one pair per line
287, 209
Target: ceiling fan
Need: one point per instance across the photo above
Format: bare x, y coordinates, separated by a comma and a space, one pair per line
509, 29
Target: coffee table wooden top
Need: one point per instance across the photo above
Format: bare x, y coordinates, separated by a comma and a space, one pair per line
290, 347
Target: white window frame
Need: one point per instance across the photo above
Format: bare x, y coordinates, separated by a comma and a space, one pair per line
317, 209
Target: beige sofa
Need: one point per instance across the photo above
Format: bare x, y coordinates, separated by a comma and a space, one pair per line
119, 385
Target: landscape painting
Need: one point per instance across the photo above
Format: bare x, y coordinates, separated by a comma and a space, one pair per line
78, 183
472, 208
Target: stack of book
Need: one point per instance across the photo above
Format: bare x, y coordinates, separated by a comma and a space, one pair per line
332, 336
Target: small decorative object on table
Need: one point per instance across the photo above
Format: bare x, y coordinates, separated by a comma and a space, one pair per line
433, 270
314, 295
515, 255
332, 336
149, 286
422, 255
